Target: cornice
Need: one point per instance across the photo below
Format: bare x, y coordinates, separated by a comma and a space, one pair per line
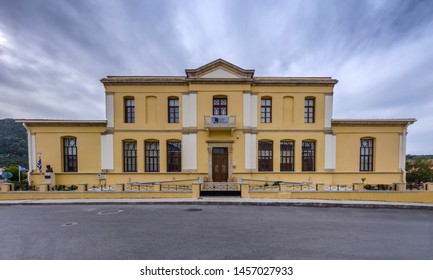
298, 81
48, 122
373, 122
222, 64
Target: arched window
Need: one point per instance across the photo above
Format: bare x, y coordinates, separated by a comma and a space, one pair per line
287, 155
366, 154
309, 155
129, 109
265, 155
173, 110
220, 105
309, 108
129, 156
151, 156
266, 110
70, 154
174, 156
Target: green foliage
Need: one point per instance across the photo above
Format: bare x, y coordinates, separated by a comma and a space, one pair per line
64, 188
13, 143
14, 170
419, 170
379, 187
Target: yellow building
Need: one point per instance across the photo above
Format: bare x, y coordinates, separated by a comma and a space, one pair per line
223, 124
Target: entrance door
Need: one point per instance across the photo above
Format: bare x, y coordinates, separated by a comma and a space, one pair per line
220, 168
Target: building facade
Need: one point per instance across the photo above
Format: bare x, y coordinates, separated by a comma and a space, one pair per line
222, 123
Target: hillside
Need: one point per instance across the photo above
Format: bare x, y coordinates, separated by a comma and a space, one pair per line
13, 143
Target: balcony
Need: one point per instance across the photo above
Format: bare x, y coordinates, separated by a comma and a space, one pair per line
219, 122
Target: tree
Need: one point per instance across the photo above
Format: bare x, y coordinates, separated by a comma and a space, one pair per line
419, 170
14, 170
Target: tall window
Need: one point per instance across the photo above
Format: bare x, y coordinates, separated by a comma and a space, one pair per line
152, 157
265, 156
130, 156
174, 157
129, 110
309, 110
173, 110
70, 160
287, 156
366, 155
266, 110
308, 156
220, 106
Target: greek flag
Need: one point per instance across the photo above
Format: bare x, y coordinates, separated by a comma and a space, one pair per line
39, 165
22, 169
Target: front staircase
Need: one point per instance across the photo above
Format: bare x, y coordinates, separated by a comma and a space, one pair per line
220, 189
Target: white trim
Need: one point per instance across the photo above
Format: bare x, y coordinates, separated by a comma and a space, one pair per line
219, 73
247, 109
107, 152
185, 110
193, 108
32, 151
328, 110
330, 151
253, 151
402, 157
253, 119
109, 109
248, 151
189, 151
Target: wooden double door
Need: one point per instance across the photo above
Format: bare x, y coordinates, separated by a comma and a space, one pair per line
220, 168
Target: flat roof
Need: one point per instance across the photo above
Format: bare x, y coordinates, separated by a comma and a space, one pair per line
54, 122
373, 122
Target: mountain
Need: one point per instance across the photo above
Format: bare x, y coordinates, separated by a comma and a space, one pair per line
13, 143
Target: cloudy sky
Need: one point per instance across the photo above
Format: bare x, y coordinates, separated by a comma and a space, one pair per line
54, 52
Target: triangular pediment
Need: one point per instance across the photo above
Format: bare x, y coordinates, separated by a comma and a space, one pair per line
219, 69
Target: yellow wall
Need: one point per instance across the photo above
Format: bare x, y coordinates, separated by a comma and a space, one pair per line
141, 95
151, 123
49, 143
386, 147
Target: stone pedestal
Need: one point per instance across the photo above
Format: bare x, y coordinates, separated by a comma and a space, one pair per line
82, 187
320, 187
359, 187
429, 186
43, 187
120, 187
245, 191
400, 186
6, 187
196, 190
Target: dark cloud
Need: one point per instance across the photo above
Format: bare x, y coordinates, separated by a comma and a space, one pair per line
53, 52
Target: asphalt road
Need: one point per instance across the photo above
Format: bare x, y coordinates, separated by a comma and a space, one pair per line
213, 232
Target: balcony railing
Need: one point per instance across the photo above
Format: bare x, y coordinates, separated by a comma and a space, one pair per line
219, 122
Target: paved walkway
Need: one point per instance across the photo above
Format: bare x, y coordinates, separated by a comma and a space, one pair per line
228, 201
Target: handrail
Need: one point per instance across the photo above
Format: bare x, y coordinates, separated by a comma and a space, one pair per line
281, 182
160, 182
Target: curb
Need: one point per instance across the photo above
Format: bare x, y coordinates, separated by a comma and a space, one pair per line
238, 203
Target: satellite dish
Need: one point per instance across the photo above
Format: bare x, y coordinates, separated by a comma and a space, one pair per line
7, 175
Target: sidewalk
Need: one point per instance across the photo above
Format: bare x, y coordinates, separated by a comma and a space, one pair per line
228, 201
